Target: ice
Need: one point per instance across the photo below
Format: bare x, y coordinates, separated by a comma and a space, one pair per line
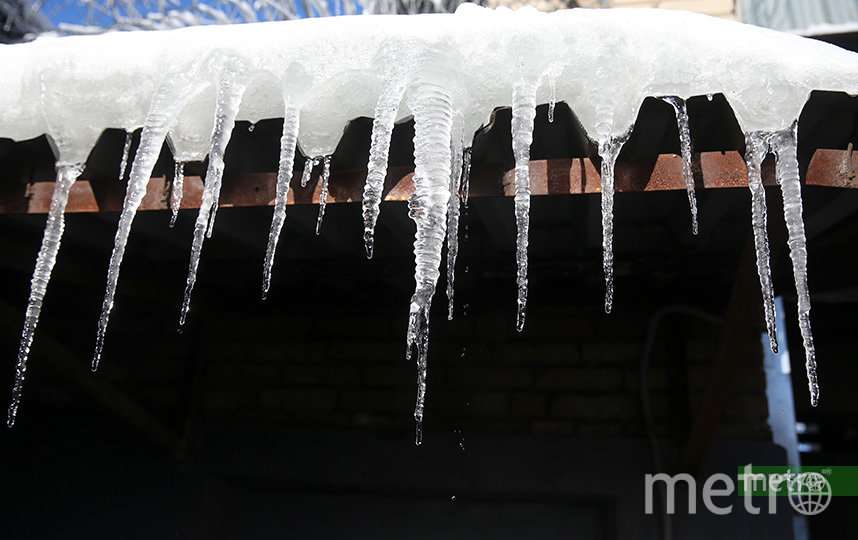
609, 151
229, 94
308, 171
126, 149
756, 148
66, 176
323, 192
453, 205
552, 97
523, 114
681, 111
466, 175
171, 97
288, 142
784, 144
433, 119
176, 192
382, 130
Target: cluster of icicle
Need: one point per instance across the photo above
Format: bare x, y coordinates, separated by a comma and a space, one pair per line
442, 108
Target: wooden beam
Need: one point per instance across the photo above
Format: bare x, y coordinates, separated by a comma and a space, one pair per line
832, 168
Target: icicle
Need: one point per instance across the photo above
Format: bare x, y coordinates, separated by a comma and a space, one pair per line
523, 114
681, 111
382, 130
552, 98
323, 193
126, 150
288, 140
177, 191
229, 94
432, 110
466, 176
308, 171
609, 151
458, 141
756, 148
784, 146
169, 100
66, 176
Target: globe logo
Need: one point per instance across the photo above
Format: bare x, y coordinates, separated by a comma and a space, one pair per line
809, 493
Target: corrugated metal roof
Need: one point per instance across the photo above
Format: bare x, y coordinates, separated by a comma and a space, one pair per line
806, 17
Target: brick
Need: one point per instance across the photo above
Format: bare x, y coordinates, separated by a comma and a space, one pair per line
612, 351
374, 401
299, 399
389, 375
601, 407
378, 351
543, 427
533, 354
326, 374
580, 379
489, 377
600, 430
528, 405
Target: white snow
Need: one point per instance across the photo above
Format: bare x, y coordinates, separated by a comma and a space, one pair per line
449, 72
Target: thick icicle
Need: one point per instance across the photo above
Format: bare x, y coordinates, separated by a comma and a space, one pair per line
323, 193
288, 141
431, 105
382, 130
66, 176
169, 100
756, 148
466, 175
126, 150
681, 111
177, 191
609, 151
308, 171
229, 94
453, 205
784, 146
523, 114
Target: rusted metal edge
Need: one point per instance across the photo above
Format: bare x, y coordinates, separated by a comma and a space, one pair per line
833, 168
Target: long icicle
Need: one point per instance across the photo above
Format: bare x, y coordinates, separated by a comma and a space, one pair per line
308, 171
170, 99
126, 150
523, 114
288, 142
177, 191
323, 194
784, 146
431, 105
453, 205
466, 175
680, 109
228, 100
382, 130
609, 152
756, 148
66, 176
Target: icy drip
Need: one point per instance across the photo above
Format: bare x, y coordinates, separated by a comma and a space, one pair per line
170, 99
609, 151
288, 141
382, 131
66, 176
229, 94
681, 111
552, 98
432, 110
756, 148
308, 171
784, 145
323, 193
177, 191
126, 150
466, 175
523, 114
453, 207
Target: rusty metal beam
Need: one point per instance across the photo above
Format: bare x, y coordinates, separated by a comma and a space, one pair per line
832, 168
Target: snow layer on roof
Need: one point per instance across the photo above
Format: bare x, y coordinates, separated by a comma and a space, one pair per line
605, 62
